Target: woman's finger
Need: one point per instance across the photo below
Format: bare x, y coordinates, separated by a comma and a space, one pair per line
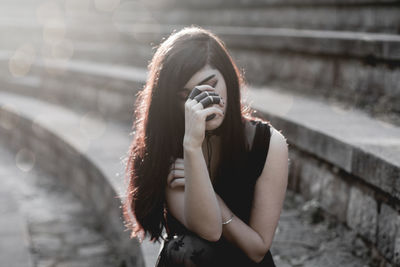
177, 182
175, 174
204, 94
210, 110
196, 90
179, 165
206, 102
199, 89
210, 100
178, 173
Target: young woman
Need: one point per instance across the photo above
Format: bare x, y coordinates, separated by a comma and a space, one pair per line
200, 166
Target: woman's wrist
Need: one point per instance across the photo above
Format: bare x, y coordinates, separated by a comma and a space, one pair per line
224, 222
226, 213
189, 145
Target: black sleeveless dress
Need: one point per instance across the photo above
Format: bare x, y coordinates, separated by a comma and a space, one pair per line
185, 248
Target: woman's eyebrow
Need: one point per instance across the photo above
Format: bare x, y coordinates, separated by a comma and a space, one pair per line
203, 81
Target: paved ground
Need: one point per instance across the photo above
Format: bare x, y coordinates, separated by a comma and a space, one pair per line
305, 237
61, 231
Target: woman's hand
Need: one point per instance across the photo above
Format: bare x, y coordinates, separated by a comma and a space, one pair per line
176, 177
198, 106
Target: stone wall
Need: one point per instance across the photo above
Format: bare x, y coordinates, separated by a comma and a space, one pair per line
374, 214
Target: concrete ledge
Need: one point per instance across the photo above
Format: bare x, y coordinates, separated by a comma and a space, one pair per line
328, 63
79, 85
351, 17
268, 3
355, 44
67, 146
345, 160
361, 146
349, 141
351, 67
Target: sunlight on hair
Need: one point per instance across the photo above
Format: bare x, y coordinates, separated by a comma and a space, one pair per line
9, 121
92, 125
25, 159
21, 61
48, 11
106, 5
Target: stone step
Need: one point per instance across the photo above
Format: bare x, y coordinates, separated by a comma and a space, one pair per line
368, 126
312, 242
373, 87
382, 18
352, 142
104, 88
341, 43
365, 147
268, 3
82, 151
345, 160
118, 53
60, 230
363, 16
358, 69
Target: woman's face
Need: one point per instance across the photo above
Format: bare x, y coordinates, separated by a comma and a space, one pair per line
217, 85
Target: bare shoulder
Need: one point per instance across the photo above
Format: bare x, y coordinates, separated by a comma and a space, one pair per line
278, 140
278, 155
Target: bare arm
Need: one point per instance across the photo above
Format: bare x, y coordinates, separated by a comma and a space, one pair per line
255, 239
202, 212
198, 210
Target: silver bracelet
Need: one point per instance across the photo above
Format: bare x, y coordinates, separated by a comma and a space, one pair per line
228, 221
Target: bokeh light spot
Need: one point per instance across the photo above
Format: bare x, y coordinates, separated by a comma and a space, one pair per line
54, 31
92, 125
25, 160
21, 61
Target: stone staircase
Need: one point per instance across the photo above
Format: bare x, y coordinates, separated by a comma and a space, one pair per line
92, 170
52, 227
70, 71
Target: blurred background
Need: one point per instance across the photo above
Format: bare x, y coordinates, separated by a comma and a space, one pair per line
326, 73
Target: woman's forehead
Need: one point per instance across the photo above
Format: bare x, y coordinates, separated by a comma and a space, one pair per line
201, 76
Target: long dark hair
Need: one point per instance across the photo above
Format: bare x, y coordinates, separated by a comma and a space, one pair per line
159, 123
